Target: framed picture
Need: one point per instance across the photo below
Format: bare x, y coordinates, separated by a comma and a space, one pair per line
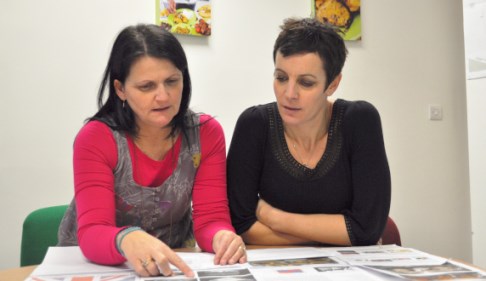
344, 14
188, 17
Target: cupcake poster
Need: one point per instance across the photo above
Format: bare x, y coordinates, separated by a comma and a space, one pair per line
188, 17
344, 14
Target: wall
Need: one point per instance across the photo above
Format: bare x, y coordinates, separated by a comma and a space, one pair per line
53, 53
476, 102
475, 55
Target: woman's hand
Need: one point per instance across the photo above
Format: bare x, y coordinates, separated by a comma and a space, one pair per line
151, 257
229, 248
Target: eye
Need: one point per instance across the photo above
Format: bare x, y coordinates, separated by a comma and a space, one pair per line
306, 83
172, 81
281, 78
146, 86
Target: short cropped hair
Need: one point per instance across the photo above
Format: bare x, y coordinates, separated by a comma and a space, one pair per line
307, 35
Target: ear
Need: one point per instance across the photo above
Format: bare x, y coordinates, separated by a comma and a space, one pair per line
119, 90
334, 85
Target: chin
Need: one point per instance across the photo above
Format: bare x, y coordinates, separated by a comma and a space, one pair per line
289, 119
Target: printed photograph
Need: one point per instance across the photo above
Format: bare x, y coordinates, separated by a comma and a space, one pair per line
294, 262
344, 14
188, 17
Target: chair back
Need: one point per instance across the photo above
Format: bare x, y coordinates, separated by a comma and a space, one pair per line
39, 232
391, 235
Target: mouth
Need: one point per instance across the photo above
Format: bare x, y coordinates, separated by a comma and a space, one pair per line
160, 109
290, 108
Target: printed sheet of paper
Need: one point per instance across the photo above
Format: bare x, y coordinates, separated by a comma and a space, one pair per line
387, 255
370, 263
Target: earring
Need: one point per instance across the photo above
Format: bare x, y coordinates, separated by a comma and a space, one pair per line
123, 104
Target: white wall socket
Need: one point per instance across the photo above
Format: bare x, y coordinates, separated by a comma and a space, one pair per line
435, 112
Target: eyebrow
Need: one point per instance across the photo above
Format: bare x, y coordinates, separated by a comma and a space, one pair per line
302, 75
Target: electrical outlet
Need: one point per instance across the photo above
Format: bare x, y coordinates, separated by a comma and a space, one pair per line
435, 112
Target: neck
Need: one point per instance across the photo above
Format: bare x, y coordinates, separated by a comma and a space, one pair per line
154, 143
309, 134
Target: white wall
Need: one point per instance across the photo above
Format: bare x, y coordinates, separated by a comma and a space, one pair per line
476, 103
52, 54
475, 49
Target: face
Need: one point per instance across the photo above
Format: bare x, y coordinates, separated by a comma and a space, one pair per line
300, 88
153, 90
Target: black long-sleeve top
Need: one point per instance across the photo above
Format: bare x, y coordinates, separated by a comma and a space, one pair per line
352, 178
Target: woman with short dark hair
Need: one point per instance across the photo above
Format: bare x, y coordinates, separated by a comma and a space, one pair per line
308, 169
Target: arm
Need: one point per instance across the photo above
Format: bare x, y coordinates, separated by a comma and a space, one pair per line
245, 163
364, 221
94, 160
361, 224
371, 181
280, 227
212, 223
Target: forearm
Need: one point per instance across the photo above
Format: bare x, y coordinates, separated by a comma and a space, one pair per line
322, 228
260, 234
210, 200
99, 246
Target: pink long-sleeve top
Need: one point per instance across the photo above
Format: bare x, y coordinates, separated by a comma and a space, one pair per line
95, 159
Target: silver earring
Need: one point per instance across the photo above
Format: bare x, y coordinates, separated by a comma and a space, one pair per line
123, 104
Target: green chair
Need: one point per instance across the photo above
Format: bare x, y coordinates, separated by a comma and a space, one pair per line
39, 232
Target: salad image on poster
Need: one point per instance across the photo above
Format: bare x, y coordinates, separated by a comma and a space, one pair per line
189, 17
344, 14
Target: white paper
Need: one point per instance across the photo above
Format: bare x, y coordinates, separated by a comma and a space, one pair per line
341, 264
388, 255
286, 253
70, 261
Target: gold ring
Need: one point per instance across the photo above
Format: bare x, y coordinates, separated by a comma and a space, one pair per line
146, 262
242, 247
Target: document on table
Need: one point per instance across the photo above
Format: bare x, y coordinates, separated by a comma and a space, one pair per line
370, 263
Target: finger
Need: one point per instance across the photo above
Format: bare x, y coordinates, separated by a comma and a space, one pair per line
139, 268
239, 254
163, 266
180, 264
243, 259
222, 246
150, 266
230, 252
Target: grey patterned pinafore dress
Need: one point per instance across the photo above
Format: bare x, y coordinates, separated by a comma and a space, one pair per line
164, 211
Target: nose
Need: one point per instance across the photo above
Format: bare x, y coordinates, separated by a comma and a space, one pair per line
291, 91
161, 93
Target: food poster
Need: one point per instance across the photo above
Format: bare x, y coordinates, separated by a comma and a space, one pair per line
189, 17
344, 14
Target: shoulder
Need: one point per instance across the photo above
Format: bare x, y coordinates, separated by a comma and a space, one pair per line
95, 133
257, 112
361, 121
357, 111
357, 107
94, 129
209, 124
255, 117
96, 141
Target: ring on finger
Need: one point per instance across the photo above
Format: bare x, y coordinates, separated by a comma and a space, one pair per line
242, 247
146, 262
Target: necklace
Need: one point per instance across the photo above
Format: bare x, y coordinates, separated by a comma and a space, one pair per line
302, 161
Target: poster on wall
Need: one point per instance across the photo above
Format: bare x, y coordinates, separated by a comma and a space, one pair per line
188, 17
344, 14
